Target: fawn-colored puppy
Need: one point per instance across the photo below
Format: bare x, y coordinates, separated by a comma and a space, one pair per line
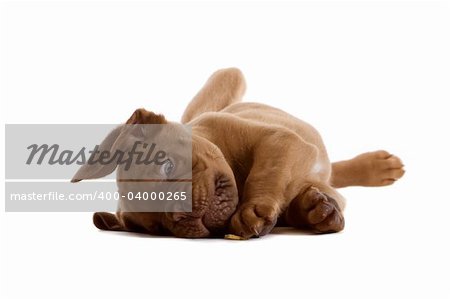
252, 166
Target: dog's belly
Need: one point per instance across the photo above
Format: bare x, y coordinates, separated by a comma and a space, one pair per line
270, 115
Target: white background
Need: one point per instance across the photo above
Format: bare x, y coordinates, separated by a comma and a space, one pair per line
368, 75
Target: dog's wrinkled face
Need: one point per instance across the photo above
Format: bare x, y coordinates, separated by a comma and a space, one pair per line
214, 194
214, 191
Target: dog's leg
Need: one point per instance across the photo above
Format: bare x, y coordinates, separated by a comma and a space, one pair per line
318, 208
274, 181
223, 88
372, 169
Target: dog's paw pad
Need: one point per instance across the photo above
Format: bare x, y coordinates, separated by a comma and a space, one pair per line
321, 212
253, 220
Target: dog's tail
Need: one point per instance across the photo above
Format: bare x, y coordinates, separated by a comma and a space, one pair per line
223, 88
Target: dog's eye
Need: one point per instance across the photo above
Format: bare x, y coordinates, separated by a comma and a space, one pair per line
167, 168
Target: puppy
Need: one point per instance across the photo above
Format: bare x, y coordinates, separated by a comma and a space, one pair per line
253, 166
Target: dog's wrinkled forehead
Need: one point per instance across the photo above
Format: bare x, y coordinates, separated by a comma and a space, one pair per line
176, 133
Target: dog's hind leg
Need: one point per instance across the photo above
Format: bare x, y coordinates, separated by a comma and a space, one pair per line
223, 88
320, 207
371, 169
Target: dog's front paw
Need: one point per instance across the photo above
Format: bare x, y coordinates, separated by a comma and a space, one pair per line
321, 212
253, 220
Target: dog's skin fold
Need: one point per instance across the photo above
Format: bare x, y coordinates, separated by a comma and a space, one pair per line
253, 166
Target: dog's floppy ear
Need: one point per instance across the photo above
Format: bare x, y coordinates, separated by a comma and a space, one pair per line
107, 221
99, 170
142, 116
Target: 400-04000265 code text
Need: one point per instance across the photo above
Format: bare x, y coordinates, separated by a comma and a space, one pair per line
180, 195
